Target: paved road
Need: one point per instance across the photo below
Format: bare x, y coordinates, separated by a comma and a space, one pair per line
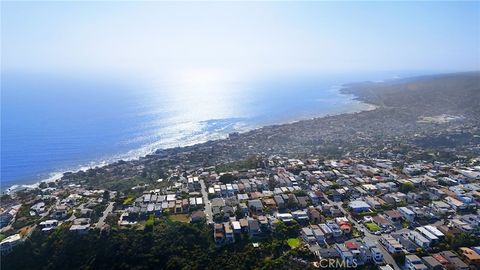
107, 211
206, 201
386, 256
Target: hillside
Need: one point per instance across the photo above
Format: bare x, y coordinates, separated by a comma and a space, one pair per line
439, 94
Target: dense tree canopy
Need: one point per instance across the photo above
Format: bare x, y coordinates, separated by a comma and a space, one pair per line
169, 245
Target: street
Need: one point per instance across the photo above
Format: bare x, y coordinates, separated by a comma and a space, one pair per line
386, 256
206, 201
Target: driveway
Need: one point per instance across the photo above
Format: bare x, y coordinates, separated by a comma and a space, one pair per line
108, 210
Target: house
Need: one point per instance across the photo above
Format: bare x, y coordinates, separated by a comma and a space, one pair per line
237, 228
413, 262
9, 243
327, 209
360, 254
318, 233
270, 203
473, 220
217, 204
60, 212
444, 262
377, 255
218, 233
264, 224
338, 194
393, 215
455, 204
197, 216
244, 224
358, 192
79, 228
229, 237
328, 253
242, 197
345, 254
48, 225
407, 214
442, 208
419, 239
308, 236
346, 228
253, 227
285, 217
463, 226
359, 206
326, 230
336, 231
171, 197
314, 198
228, 211
374, 202
255, 207
427, 234
300, 215
395, 198
279, 202
86, 213
454, 261
407, 244
302, 201
432, 263
370, 189
470, 257
381, 221
5, 218
38, 208
351, 245
391, 244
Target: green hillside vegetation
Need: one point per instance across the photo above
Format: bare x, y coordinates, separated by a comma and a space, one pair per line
165, 245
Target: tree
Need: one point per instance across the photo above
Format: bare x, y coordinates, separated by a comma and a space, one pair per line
291, 202
226, 178
463, 239
239, 213
406, 187
106, 196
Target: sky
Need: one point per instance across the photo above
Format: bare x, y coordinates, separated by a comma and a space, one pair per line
150, 37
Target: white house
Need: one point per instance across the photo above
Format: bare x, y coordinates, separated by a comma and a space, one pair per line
407, 214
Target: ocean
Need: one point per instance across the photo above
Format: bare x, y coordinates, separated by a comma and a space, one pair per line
52, 123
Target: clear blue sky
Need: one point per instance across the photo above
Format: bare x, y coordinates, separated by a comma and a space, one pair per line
255, 36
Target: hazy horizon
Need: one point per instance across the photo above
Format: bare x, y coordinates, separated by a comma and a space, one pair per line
173, 39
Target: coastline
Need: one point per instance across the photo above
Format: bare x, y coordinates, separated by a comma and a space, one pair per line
359, 104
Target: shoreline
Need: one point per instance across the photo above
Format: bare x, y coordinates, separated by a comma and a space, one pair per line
57, 175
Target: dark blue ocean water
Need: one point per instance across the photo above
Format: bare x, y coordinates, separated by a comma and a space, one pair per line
52, 123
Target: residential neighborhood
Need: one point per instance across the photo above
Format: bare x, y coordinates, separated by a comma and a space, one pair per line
359, 211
